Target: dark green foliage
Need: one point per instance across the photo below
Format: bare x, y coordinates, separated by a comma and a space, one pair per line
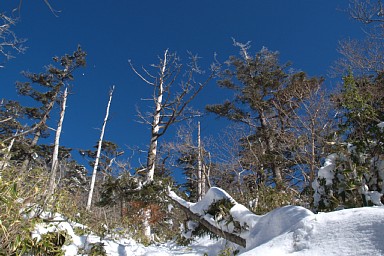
10, 114
131, 188
267, 96
50, 244
188, 161
220, 207
361, 101
361, 105
97, 249
109, 152
45, 90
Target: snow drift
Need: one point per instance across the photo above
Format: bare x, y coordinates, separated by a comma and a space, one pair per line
290, 230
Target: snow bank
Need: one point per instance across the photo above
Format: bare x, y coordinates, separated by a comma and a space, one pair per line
347, 232
275, 223
293, 230
288, 230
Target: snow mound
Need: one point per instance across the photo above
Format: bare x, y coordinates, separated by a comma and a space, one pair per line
275, 223
347, 232
289, 230
293, 230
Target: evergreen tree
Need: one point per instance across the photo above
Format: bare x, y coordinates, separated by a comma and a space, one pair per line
266, 95
358, 169
188, 162
109, 152
44, 89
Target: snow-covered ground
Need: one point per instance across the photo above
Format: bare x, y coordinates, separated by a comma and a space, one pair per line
288, 230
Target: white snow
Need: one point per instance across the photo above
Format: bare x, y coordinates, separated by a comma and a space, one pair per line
346, 232
290, 230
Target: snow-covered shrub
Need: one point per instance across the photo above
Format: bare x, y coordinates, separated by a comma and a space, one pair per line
228, 251
97, 249
349, 179
267, 198
354, 175
22, 210
49, 244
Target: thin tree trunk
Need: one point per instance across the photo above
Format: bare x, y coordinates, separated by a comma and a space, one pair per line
55, 155
152, 153
276, 171
5, 162
123, 209
312, 160
89, 202
146, 225
200, 171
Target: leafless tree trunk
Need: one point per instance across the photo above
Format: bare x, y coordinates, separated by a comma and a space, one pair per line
199, 166
152, 152
171, 105
201, 175
55, 155
7, 156
89, 202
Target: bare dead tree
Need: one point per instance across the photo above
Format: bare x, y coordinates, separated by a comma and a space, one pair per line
360, 56
174, 88
229, 173
96, 164
55, 155
172, 96
9, 42
47, 3
200, 174
367, 11
312, 124
364, 56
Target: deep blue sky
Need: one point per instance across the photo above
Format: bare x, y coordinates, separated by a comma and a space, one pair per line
305, 32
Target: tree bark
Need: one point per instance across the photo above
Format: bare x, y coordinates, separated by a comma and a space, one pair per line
201, 175
55, 155
276, 171
7, 157
152, 153
89, 202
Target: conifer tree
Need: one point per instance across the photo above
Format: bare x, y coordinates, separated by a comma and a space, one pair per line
361, 109
266, 94
45, 88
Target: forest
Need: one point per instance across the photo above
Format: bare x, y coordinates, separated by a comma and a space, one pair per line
290, 139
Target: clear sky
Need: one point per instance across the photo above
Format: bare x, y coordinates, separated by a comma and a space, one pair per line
305, 32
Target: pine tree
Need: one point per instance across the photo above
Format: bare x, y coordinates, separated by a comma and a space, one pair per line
44, 89
266, 95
